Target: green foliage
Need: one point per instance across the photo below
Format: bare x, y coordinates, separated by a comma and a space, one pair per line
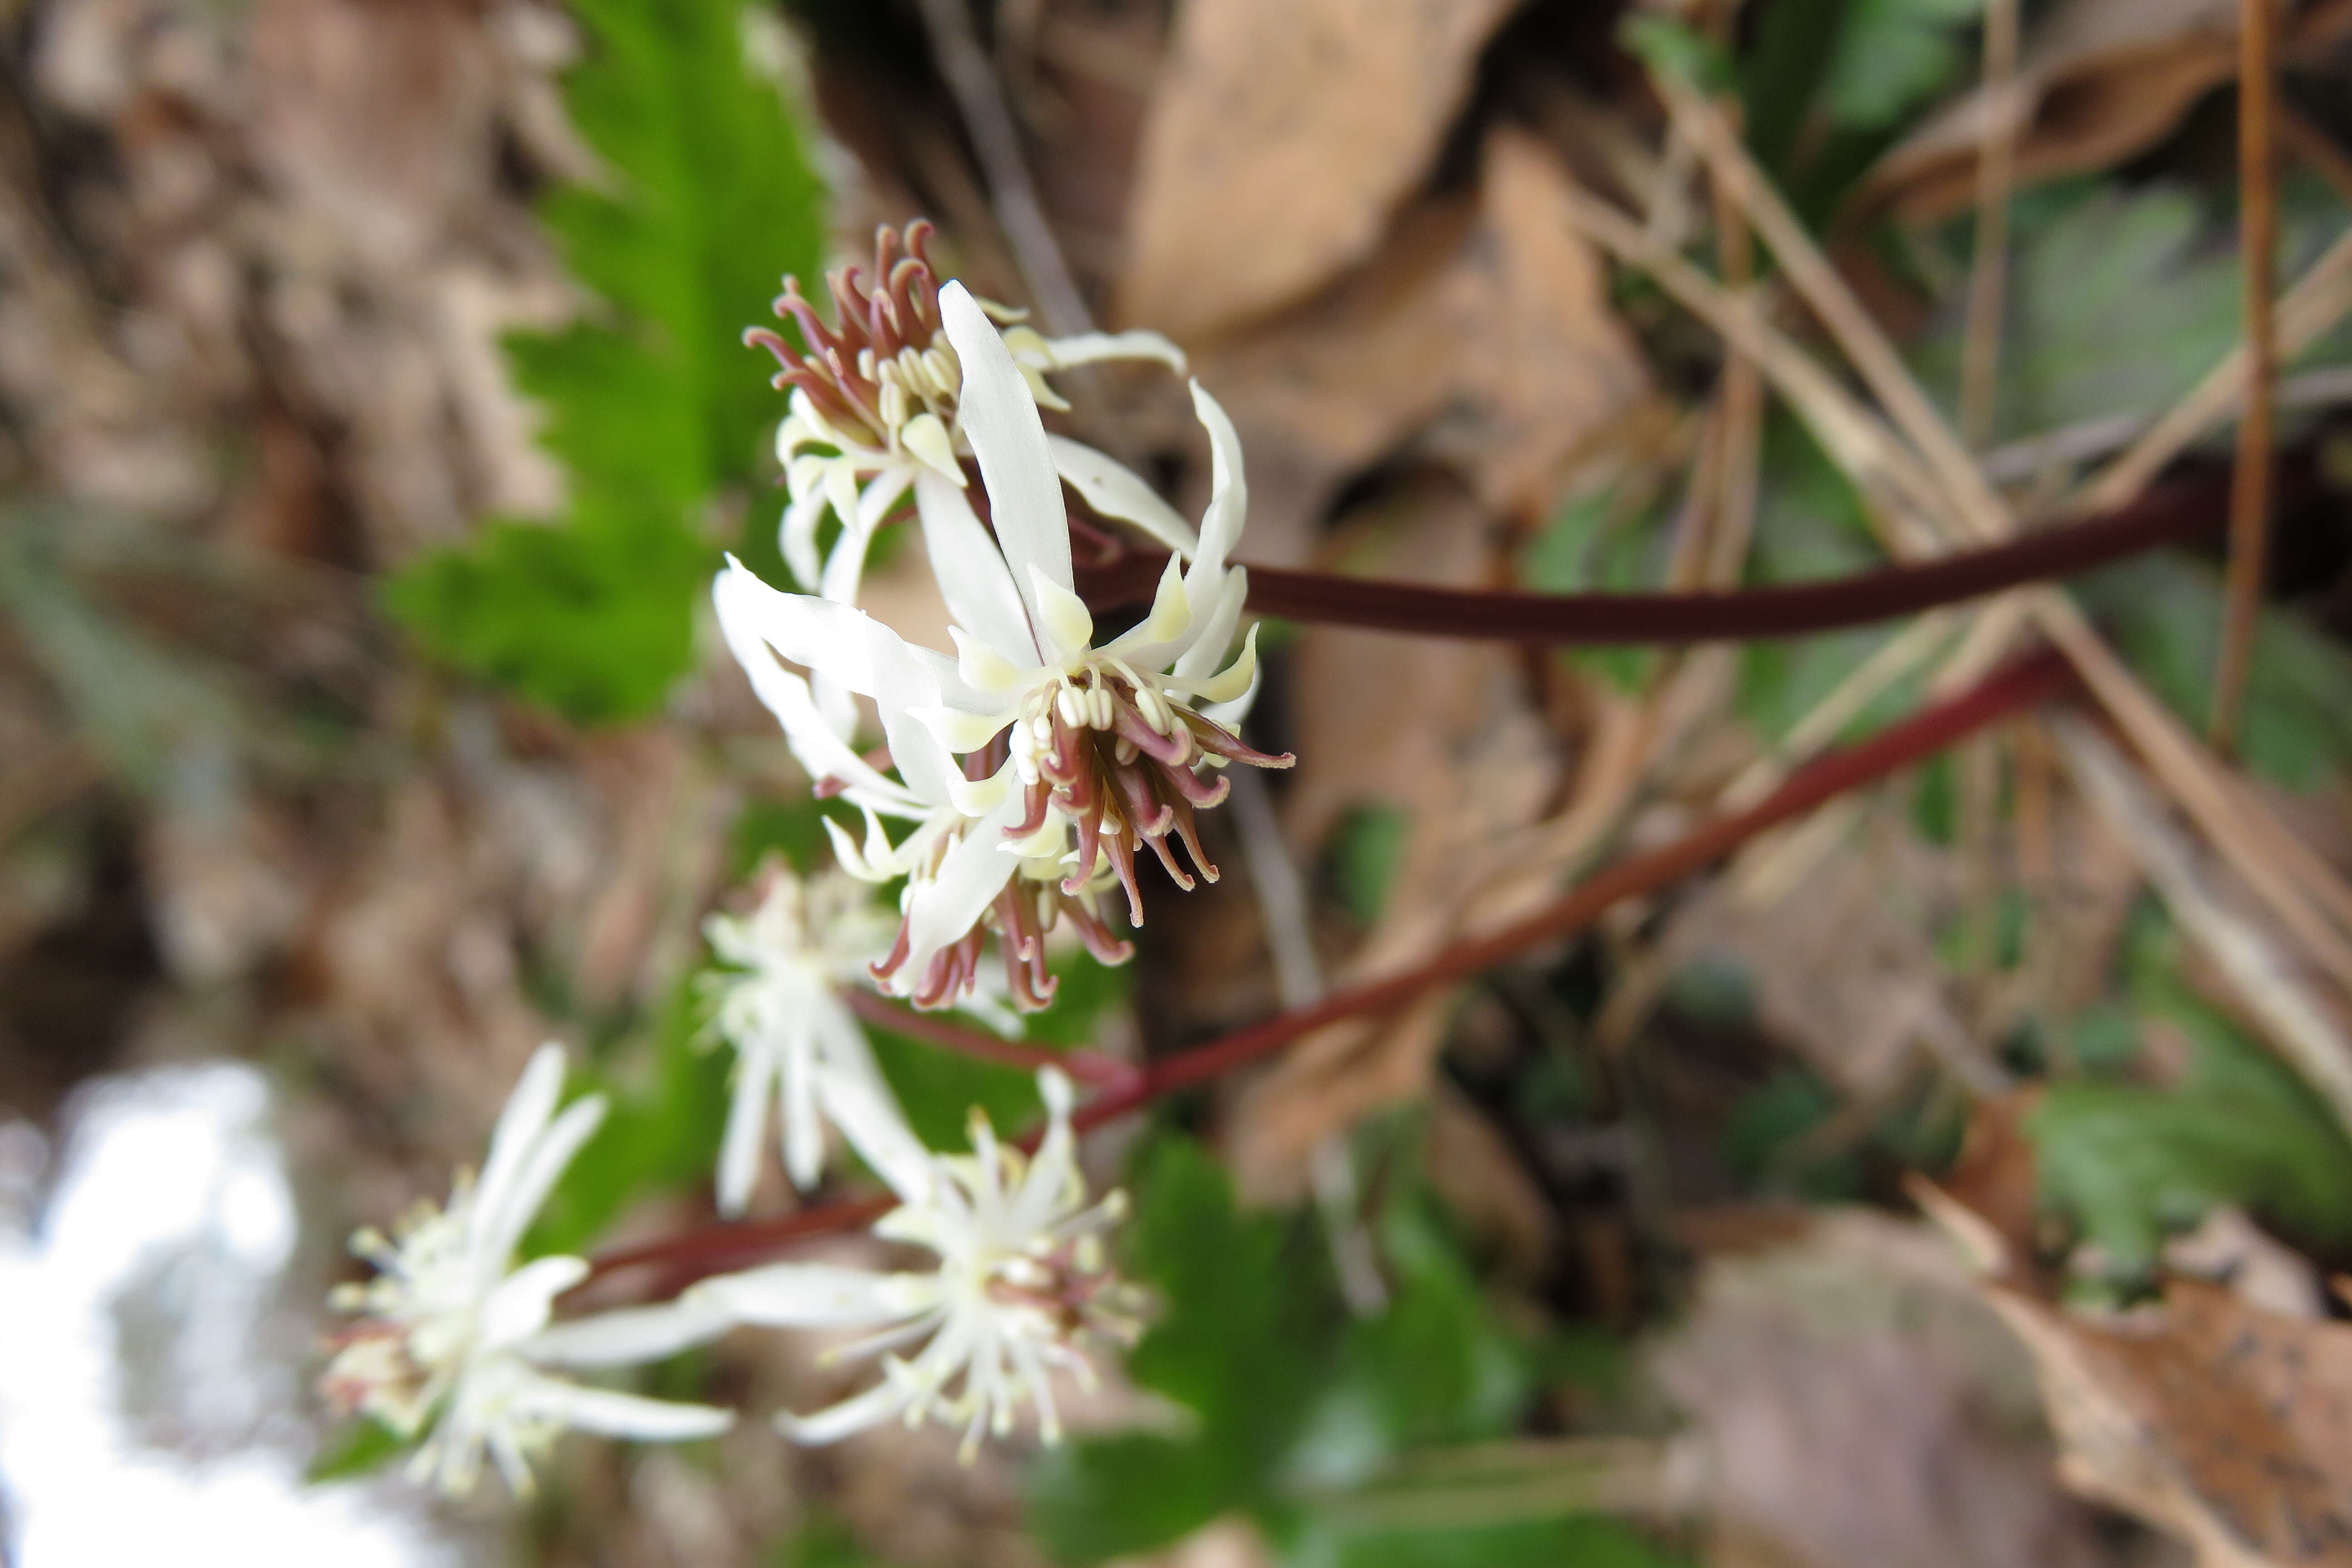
1601, 542
651, 402
1670, 49
1295, 1413
2130, 1162
1365, 850
1767, 1140
358, 1447
1892, 57
2165, 613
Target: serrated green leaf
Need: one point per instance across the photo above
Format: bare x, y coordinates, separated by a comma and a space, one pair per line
651, 403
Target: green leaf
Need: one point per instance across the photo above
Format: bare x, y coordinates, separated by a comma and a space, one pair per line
1240, 1345
1365, 850
360, 1447
651, 403
2131, 1162
1601, 542
1672, 49
1569, 1542
2165, 612
1892, 56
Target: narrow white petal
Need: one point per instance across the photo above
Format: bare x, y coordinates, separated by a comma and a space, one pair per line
803, 1137
1212, 634
521, 1304
747, 1117
1233, 680
503, 1227
802, 1296
1150, 642
959, 731
797, 537
1062, 613
968, 881
869, 1117
978, 591
981, 667
621, 1414
834, 1422
527, 1112
627, 1337
1115, 491
999, 417
978, 797
1221, 525
841, 486
1086, 348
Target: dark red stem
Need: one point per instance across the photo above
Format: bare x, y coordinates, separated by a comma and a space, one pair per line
714, 1248
2175, 511
1088, 1067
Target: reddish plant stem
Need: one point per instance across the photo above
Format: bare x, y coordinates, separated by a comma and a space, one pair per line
2173, 512
713, 1249
1087, 1067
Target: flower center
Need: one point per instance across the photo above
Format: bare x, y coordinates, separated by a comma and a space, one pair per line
1108, 747
886, 361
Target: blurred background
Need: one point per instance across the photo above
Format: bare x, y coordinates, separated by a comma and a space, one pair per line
372, 413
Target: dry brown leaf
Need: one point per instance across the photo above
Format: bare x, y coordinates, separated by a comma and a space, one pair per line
2225, 1423
2099, 81
1280, 139
1481, 329
1859, 1407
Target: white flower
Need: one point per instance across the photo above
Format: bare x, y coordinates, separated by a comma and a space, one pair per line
874, 405
780, 1008
1034, 751
1020, 1284
455, 1338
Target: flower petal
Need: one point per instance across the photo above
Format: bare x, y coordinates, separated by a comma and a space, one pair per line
1205, 644
999, 417
1221, 524
498, 1230
974, 871
1116, 491
797, 536
1088, 348
627, 1337
856, 1414
869, 1117
747, 1117
620, 1415
978, 591
926, 437
802, 1296
1064, 616
520, 1305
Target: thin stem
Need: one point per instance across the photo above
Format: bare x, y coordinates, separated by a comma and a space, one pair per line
2250, 493
2172, 512
1088, 1067
1989, 277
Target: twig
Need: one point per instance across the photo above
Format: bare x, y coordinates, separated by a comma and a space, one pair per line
1988, 278
1086, 1066
996, 139
2033, 456
2250, 493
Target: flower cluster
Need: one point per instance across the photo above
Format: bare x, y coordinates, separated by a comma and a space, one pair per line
454, 1337
1034, 765
1019, 781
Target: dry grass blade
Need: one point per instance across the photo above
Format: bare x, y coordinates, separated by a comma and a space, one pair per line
2289, 1013
1987, 278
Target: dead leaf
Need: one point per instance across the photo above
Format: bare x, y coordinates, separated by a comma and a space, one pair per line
2214, 1419
1280, 139
1859, 1407
1482, 329
2099, 81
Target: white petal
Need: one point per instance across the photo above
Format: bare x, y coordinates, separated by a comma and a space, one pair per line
1086, 348
621, 1414
928, 439
1221, 524
1148, 641
797, 537
527, 1112
856, 1414
981, 667
627, 1337
803, 1138
869, 1117
999, 417
500, 1229
747, 1117
521, 1303
968, 881
1213, 633
841, 486
1230, 682
803, 1296
1062, 613
978, 591
959, 731
1115, 491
